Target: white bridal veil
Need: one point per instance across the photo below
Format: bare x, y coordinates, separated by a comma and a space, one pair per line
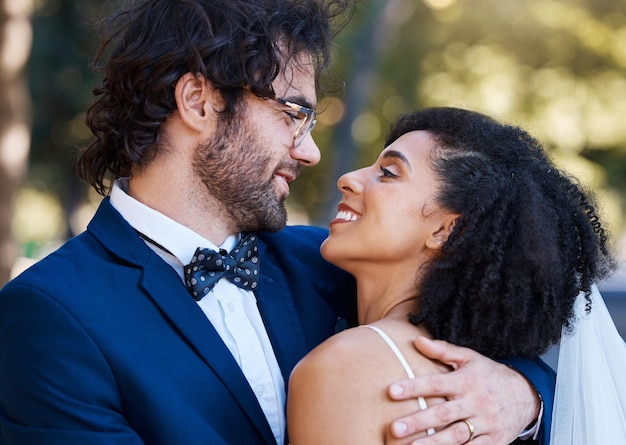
590, 400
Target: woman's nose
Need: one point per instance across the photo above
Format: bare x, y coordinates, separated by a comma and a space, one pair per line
350, 182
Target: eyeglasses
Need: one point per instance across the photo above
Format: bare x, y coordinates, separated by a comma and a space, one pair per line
304, 114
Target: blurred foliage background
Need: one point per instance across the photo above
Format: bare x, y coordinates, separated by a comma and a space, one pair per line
556, 68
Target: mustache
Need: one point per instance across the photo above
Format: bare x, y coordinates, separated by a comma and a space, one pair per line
289, 166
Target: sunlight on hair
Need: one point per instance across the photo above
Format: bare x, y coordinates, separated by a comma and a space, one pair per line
592, 175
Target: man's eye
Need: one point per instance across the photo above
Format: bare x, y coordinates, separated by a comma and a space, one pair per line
293, 116
386, 173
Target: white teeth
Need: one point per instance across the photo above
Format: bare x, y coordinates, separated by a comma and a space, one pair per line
346, 216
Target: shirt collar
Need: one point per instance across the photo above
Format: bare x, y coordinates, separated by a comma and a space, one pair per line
178, 239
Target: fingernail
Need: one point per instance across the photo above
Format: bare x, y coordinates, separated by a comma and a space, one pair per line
399, 428
396, 390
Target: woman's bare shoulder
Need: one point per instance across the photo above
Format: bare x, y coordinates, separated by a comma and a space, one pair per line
363, 352
343, 384
340, 385
343, 351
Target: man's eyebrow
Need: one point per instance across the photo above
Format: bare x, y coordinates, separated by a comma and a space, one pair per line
300, 100
397, 155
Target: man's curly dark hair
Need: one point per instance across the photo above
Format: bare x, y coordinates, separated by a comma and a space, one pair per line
528, 241
237, 45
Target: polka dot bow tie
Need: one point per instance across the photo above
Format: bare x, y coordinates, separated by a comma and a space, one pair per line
207, 267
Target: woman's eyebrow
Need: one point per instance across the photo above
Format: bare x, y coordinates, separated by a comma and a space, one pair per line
397, 155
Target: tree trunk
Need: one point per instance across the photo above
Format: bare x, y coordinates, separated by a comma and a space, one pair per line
15, 44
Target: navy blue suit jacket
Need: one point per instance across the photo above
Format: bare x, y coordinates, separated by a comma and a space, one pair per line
100, 342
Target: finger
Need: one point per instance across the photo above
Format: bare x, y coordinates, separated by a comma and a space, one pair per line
436, 385
443, 351
441, 417
456, 433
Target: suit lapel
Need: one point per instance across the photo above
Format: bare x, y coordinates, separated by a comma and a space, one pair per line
161, 284
279, 315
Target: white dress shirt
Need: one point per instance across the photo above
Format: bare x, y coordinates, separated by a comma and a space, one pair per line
232, 311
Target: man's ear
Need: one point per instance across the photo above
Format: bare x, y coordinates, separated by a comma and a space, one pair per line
195, 98
437, 239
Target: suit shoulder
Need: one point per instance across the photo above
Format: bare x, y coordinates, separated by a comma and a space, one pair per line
61, 264
300, 236
297, 246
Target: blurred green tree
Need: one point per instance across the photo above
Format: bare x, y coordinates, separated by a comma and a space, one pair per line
61, 82
556, 68
15, 43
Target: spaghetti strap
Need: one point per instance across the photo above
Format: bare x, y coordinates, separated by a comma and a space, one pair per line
394, 348
403, 362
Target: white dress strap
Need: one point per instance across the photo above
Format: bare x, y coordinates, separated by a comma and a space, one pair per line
403, 362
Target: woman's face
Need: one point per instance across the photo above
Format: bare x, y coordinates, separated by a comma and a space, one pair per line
388, 212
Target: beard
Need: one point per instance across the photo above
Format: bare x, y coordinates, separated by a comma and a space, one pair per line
236, 169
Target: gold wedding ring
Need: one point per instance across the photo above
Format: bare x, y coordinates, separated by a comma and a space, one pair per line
471, 430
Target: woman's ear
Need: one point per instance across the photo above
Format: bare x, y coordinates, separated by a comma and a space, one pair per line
438, 238
195, 97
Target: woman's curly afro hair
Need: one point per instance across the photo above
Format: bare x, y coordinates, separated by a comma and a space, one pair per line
528, 241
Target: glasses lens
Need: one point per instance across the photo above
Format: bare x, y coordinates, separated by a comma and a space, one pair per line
305, 127
306, 115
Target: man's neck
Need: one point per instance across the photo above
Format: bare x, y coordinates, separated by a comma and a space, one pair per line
186, 205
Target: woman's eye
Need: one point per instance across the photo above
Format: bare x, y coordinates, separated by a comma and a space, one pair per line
386, 173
